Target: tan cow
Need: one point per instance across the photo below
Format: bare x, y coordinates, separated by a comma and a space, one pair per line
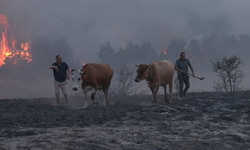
159, 73
93, 77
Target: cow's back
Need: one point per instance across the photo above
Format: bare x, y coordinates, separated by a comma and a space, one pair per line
162, 71
100, 73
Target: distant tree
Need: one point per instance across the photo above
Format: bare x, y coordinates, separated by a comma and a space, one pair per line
148, 52
211, 43
173, 50
106, 53
176, 46
126, 84
120, 58
128, 55
41, 50
194, 45
44, 51
133, 51
63, 48
229, 40
244, 42
229, 72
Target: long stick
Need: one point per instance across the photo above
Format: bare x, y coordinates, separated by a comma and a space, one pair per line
194, 76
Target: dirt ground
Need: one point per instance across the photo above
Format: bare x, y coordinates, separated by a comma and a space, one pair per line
201, 122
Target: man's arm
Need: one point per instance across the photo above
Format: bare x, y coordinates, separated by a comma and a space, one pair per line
52, 67
68, 70
176, 67
191, 67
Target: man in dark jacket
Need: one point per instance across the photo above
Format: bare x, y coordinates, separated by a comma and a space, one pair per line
61, 73
181, 65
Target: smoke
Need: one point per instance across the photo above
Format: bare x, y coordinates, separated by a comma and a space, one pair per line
87, 24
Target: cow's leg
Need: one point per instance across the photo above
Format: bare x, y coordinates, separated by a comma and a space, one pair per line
165, 93
85, 99
152, 87
93, 96
170, 91
94, 89
155, 92
106, 100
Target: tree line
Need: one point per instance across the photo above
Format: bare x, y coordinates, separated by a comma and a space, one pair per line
197, 50
201, 51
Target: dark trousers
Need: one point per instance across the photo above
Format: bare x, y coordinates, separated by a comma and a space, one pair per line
183, 80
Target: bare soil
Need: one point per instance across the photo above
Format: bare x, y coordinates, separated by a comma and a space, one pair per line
199, 122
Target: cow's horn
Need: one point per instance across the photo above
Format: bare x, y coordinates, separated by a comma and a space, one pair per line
136, 65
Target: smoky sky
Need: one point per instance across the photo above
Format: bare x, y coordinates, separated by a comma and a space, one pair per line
86, 24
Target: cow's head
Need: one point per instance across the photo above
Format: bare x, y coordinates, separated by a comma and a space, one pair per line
76, 78
142, 72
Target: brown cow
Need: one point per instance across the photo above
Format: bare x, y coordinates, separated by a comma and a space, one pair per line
159, 73
93, 77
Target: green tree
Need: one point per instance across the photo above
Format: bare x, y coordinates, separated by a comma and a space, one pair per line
194, 45
106, 53
148, 53
244, 42
63, 48
173, 50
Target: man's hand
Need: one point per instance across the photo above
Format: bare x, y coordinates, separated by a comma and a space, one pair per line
193, 74
68, 76
56, 68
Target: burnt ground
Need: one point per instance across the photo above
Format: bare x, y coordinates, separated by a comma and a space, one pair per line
203, 121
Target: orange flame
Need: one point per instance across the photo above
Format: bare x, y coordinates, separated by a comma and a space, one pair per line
83, 63
194, 59
165, 51
15, 55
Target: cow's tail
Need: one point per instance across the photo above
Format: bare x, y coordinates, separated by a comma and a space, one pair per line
111, 76
171, 89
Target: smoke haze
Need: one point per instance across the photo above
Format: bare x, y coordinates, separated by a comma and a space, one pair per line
86, 24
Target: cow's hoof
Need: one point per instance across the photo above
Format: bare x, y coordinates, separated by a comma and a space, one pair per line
107, 105
92, 96
154, 103
96, 102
